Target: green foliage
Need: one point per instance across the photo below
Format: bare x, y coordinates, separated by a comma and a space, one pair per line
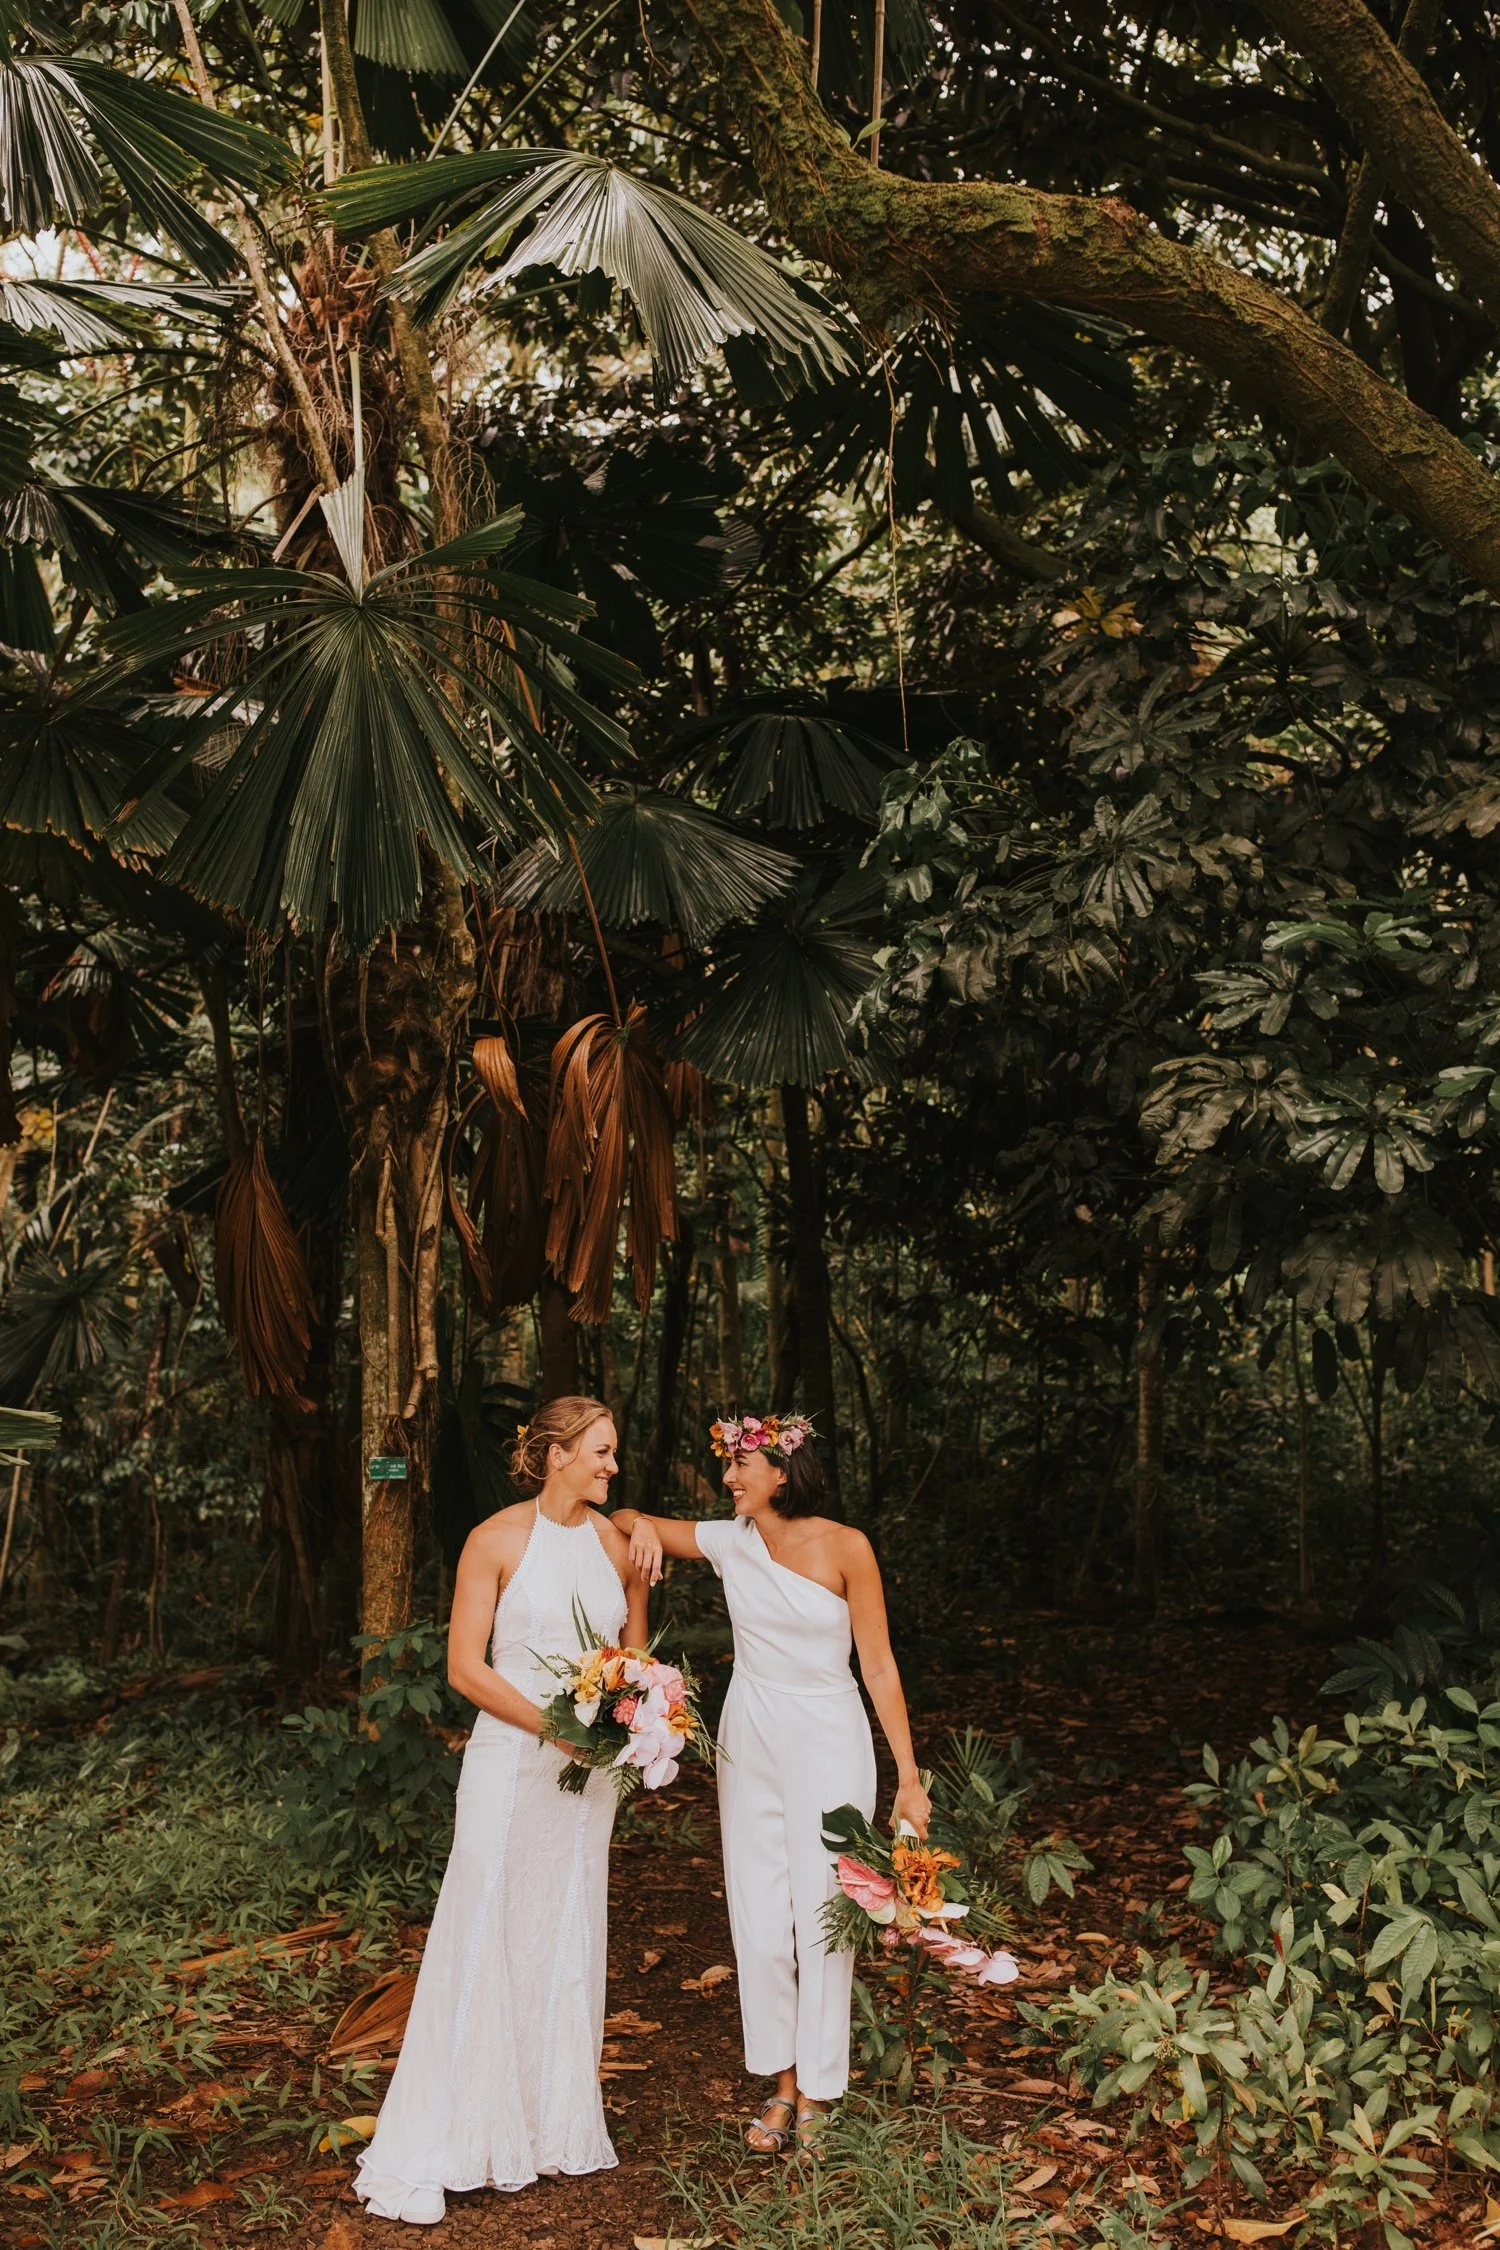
376, 1776
892, 2179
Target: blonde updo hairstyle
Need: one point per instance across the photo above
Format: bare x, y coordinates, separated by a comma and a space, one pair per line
562, 1421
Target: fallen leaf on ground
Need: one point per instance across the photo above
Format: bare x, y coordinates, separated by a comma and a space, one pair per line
649, 1961
1036, 2179
1094, 1937
87, 2082
1034, 2086
345, 2129
716, 1975
614, 2066
675, 2241
1141, 2180
199, 2197
669, 1929
32, 2081
17, 2153
375, 2019
628, 2023
1259, 2230
330, 2175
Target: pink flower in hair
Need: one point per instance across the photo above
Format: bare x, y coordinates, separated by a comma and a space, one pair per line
792, 1435
752, 1434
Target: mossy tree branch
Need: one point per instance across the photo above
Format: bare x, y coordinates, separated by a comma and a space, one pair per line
900, 243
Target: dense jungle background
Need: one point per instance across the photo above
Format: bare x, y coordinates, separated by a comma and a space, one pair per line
742, 706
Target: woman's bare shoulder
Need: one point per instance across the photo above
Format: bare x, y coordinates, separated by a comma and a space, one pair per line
500, 1533
613, 1537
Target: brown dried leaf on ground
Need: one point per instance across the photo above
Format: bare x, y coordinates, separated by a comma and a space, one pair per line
374, 2022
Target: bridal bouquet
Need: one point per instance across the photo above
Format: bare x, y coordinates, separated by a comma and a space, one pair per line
897, 1891
626, 1712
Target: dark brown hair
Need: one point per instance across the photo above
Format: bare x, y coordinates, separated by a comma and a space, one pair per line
562, 1421
806, 1486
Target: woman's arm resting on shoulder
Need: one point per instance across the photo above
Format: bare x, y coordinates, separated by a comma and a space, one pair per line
882, 1680
476, 1590
651, 1537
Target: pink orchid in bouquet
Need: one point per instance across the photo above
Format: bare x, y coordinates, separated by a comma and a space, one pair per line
902, 1893
622, 1710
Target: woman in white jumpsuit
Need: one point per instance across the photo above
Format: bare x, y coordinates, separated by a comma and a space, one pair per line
799, 1589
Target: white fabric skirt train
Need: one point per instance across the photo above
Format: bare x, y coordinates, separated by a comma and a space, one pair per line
498, 2079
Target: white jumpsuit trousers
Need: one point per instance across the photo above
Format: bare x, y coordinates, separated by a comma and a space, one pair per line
796, 1744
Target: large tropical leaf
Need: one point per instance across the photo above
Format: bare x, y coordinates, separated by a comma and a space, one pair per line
693, 282
625, 526
108, 542
359, 742
789, 764
61, 1317
65, 762
24, 1430
102, 316
154, 139
649, 857
967, 401
609, 1139
780, 1010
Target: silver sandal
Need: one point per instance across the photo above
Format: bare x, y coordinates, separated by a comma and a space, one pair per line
779, 2136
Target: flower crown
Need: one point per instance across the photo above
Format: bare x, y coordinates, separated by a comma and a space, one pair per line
777, 1434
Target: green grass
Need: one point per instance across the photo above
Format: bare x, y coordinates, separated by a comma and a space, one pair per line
127, 1849
884, 2179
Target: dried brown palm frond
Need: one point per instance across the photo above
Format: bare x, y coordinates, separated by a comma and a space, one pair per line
690, 1095
374, 2023
525, 961
502, 1231
609, 1140
261, 1276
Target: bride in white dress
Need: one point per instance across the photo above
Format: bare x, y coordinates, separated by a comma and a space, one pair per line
498, 2079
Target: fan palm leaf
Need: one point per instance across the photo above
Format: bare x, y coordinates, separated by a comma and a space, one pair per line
154, 139
694, 282
65, 762
781, 1008
61, 1317
790, 765
649, 857
24, 1430
358, 743
609, 1139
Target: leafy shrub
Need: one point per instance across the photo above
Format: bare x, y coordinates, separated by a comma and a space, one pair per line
1357, 1877
377, 1775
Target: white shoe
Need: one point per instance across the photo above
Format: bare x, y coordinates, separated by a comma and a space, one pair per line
415, 2206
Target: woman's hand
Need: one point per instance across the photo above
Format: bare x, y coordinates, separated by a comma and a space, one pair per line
645, 1550
914, 1806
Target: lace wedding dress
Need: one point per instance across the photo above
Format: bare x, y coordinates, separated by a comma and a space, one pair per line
499, 2072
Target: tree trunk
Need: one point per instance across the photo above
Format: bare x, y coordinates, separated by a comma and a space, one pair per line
731, 1348
399, 1016
558, 1377
676, 1304
1304, 1476
1149, 1436
810, 1273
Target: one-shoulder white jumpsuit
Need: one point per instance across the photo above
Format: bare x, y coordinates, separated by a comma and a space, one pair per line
796, 1744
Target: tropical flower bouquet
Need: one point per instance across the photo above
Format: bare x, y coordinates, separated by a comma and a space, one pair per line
895, 1892
626, 1712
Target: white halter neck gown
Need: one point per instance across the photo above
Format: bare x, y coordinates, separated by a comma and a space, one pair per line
499, 2072
796, 1745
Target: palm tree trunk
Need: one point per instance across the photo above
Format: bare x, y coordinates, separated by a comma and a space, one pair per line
558, 1377
731, 1349
1304, 1478
810, 1273
399, 1018
1149, 1437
